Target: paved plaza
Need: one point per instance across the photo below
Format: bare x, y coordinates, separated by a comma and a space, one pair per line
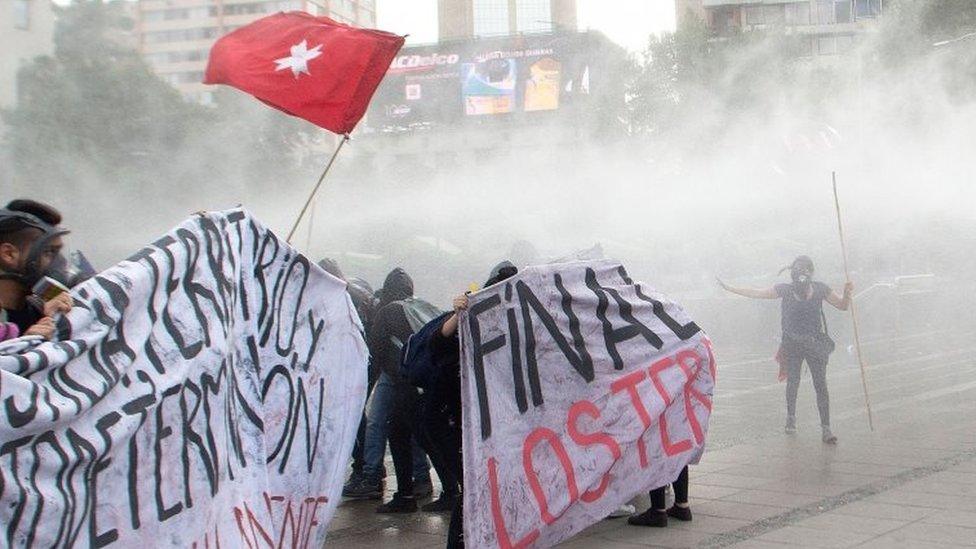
911, 483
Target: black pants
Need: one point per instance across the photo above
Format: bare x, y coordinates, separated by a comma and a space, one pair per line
431, 436
680, 492
403, 417
443, 429
793, 357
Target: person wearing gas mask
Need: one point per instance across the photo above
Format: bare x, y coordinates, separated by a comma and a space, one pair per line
28, 248
805, 336
68, 273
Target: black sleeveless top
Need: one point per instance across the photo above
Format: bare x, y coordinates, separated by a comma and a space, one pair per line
802, 317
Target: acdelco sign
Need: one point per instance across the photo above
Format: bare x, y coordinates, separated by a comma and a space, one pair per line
405, 63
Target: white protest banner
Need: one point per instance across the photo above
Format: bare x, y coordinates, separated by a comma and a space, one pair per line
205, 393
580, 389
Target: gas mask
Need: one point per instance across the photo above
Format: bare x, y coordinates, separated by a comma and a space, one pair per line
801, 271
33, 265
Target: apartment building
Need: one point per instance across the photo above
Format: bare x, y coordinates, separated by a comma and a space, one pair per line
463, 19
823, 27
175, 36
26, 31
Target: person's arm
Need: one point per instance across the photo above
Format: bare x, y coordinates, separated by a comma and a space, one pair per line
841, 303
450, 325
755, 293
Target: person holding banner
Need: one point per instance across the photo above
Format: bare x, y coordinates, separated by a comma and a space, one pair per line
28, 247
657, 515
442, 417
805, 336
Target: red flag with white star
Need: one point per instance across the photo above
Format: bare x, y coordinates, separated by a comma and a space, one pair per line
310, 67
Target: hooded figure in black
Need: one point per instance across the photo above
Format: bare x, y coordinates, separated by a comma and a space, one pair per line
362, 300
390, 331
442, 415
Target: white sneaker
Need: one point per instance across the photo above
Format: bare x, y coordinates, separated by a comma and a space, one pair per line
624, 510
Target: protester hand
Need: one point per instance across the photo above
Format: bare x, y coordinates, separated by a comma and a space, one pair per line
61, 304
848, 289
43, 328
460, 303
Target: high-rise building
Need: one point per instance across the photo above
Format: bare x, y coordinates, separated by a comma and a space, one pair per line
459, 19
685, 9
175, 36
26, 31
822, 27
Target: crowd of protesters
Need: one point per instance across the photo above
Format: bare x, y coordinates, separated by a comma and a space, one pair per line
416, 412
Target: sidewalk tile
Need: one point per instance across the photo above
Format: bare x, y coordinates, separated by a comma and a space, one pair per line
738, 511
965, 519
653, 537
733, 481
880, 510
837, 521
808, 537
937, 533
767, 497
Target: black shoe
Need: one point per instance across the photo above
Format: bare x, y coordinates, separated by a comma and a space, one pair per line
828, 437
651, 517
445, 503
680, 513
423, 489
363, 489
398, 504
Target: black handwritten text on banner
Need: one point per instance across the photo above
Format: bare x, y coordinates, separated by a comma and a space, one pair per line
207, 395
581, 389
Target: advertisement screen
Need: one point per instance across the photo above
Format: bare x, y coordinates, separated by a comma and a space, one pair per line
467, 80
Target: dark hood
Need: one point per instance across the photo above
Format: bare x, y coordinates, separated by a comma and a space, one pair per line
504, 270
398, 285
332, 267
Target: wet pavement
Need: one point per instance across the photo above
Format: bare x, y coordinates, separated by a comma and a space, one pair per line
911, 483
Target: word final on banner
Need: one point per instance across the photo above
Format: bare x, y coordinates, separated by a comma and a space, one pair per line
581, 389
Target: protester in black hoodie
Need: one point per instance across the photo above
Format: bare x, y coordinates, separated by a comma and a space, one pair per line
390, 331
362, 299
442, 414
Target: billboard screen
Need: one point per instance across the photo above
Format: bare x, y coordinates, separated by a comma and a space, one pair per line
464, 80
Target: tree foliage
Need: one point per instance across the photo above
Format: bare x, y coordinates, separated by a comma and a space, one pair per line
95, 115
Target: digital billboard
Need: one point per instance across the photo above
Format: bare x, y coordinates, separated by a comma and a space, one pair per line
466, 80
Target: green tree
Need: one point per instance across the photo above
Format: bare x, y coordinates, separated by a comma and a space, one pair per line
93, 116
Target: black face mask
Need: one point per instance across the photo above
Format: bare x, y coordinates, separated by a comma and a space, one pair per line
801, 279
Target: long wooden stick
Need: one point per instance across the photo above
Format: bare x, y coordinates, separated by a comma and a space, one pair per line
311, 196
857, 337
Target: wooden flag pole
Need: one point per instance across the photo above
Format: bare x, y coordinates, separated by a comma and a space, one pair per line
857, 337
315, 190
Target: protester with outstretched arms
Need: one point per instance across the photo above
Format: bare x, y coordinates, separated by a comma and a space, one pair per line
805, 334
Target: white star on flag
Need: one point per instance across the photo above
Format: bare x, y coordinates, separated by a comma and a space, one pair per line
300, 56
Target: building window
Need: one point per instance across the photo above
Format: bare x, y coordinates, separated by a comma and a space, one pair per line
753, 15
867, 9
533, 16
181, 35
798, 14
21, 14
843, 11
826, 12
827, 45
774, 15
491, 17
